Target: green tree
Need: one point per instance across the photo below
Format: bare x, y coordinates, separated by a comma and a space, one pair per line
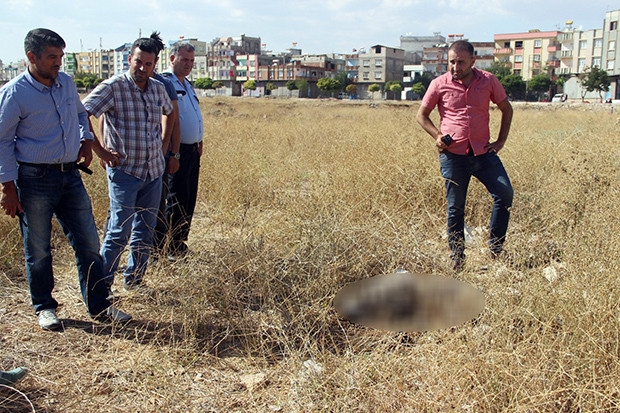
329, 85
539, 84
204, 83
218, 85
351, 89
514, 85
418, 89
343, 78
302, 86
595, 80
249, 84
269, 88
291, 85
374, 88
500, 70
426, 78
393, 87
87, 80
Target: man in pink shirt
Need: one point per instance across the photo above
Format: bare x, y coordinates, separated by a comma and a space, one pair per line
462, 97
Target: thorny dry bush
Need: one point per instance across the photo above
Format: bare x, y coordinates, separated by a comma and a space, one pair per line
299, 198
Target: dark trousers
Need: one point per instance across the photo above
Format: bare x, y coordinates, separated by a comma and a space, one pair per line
457, 171
183, 192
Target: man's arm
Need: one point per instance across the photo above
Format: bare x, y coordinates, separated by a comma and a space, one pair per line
424, 119
506, 108
106, 156
9, 120
172, 137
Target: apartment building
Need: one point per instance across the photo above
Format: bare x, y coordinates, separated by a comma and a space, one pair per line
611, 42
566, 52
222, 60
414, 45
579, 50
380, 64
529, 54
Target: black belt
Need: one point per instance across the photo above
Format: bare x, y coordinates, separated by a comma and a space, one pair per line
62, 167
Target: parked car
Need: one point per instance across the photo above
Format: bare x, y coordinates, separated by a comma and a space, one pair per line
559, 97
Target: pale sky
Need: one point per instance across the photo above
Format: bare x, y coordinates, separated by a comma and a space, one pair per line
318, 26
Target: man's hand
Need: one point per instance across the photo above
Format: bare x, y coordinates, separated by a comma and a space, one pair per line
85, 156
494, 146
173, 165
9, 200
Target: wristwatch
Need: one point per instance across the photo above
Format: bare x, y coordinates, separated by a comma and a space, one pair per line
175, 155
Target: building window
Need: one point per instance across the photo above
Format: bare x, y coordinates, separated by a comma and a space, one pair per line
378, 62
612, 45
537, 43
581, 64
518, 58
613, 25
378, 75
366, 75
537, 58
610, 65
519, 44
507, 45
366, 63
583, 44
596, 61
598, 43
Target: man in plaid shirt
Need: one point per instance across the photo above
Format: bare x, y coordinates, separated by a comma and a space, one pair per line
133, 104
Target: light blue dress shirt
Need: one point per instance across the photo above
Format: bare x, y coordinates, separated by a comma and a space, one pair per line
40, 124
190, 117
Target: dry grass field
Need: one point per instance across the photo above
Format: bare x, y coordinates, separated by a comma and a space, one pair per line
301, 197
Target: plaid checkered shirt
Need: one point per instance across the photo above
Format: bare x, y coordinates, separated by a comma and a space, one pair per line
132, 122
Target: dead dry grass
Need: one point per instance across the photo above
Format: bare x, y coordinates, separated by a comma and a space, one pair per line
299, 198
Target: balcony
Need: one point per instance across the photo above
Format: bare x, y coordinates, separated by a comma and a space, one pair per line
553, 63
503, 51
553, 48
566, 54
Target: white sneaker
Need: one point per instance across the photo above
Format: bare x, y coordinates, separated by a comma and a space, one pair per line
48, 320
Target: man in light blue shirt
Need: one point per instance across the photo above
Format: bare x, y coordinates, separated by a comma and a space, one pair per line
44, 132
183, 185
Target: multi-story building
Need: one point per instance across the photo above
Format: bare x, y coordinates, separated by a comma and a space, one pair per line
579, 50
96, 62
222, 58
611, 56
568, 52
529, 54
69, 63
380, 64
121, 58
414, 45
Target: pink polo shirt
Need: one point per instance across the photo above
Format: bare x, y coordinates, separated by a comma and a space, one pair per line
464, 111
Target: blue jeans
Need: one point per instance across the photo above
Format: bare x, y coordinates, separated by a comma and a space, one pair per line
44, 193
133, 213
457, 171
